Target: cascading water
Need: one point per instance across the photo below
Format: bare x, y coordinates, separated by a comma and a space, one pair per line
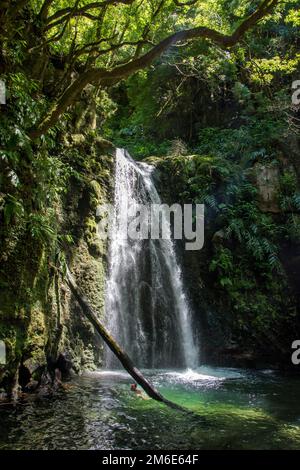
146, 306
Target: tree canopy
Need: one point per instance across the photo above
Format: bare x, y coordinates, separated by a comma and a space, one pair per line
103, 42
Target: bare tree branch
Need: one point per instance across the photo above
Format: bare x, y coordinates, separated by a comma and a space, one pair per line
59, 35
147, 27
66, 18
86, 49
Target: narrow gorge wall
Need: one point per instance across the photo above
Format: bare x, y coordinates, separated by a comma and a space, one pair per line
40, 324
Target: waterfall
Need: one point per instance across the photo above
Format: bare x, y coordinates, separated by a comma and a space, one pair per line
146, 305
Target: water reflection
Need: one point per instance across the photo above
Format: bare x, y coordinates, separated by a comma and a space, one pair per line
242, 410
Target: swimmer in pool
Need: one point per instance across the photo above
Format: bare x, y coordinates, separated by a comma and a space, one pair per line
133, 388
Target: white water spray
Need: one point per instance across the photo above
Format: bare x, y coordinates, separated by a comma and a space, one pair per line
146, 305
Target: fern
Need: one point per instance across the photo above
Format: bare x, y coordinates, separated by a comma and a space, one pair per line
211, 202
296, 201
40, 229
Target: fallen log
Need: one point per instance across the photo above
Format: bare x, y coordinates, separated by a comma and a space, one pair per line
114, 346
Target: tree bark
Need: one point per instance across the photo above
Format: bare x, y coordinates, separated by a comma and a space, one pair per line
114, 346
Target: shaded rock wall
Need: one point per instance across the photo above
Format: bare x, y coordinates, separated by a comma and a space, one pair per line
40, 323
246, 312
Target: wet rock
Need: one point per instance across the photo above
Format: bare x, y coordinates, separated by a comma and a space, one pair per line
24, 376
46, 387
218, 237
32, 386
3, 394
63, 364
33, 365
57, 382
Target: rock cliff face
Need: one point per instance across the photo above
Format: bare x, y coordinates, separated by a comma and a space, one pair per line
246, 306
40, 324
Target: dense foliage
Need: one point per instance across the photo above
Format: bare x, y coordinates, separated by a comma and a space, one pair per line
233, 112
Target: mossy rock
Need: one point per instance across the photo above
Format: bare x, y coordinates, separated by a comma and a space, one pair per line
97, 194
